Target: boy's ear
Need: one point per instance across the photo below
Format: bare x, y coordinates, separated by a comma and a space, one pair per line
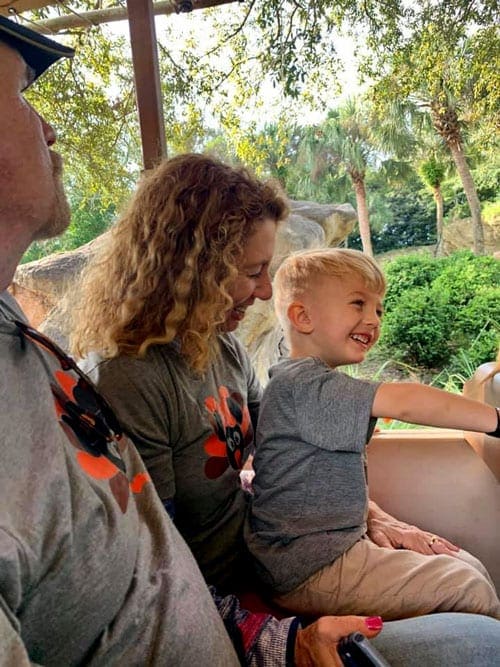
299, 317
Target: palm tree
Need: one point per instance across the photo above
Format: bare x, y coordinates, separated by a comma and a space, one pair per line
432, 162
443, 78
444, 114
432, 172
342, 144
351, 141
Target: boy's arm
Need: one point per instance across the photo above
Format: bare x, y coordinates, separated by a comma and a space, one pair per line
420, 404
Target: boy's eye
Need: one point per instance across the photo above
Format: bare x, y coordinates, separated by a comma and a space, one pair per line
255, 275
380, 313
359, 302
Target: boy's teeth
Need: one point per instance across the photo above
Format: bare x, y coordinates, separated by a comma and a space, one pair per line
362, 339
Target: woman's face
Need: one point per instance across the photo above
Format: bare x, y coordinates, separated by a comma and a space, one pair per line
253, 281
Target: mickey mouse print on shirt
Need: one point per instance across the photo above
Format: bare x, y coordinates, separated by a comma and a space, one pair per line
232, 432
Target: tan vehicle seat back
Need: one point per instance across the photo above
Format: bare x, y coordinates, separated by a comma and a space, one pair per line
485, 387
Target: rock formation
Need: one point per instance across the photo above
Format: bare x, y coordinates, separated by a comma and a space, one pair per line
458, 235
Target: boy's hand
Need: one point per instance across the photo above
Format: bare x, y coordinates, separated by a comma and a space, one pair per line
316, 645
386, 531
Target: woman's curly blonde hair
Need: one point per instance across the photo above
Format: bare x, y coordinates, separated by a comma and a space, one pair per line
164, 270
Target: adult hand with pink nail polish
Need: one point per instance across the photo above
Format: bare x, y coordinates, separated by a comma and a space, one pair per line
316, 645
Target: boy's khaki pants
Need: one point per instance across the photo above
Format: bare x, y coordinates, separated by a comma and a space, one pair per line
394, 583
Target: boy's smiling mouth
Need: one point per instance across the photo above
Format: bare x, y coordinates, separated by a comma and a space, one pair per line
364, 339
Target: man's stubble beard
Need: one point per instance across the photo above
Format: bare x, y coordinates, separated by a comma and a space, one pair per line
60, 215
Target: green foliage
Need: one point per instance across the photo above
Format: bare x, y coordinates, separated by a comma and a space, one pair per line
409, 272
89, 219
432, 172
491, 211
219, 78
442, 72
437, 308
483, 307
461, 368
486, 175
90, 101
400, 218
418, 328
463, 276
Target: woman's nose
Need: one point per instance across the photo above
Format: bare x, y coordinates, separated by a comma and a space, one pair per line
264, 289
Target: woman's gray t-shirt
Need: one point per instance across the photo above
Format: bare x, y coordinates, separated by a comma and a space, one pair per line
193, 432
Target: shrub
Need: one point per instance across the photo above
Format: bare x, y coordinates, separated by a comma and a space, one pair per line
491, 211
482, 343
438, 309
463, 275
407, 272
417, 328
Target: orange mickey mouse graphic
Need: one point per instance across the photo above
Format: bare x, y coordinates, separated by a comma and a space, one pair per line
233, 432
88, 421
99, 458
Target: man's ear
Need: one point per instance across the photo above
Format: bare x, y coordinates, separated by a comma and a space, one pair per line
299, 317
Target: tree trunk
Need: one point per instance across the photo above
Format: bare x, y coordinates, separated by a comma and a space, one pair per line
438, 198
363, 218
471, 194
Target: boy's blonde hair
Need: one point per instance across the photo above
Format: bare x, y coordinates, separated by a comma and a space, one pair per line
297, 273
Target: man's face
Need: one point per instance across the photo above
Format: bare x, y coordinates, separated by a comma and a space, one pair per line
32, 199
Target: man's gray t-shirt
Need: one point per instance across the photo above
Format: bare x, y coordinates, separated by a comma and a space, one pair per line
311, 500
92, 570
193, 432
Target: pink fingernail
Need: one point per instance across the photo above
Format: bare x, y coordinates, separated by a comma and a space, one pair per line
374, 622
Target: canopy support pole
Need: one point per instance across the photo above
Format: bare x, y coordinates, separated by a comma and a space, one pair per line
147, 81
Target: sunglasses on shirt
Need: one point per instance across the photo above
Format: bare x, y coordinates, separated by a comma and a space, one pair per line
89, 415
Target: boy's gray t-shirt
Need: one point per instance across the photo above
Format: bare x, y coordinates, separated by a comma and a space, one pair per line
311, 501
92, 570
193, 432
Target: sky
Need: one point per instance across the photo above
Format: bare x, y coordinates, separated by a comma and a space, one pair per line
187, 25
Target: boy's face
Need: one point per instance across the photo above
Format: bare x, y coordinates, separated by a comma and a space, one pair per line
345, 317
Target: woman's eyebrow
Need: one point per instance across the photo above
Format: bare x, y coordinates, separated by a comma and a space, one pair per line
252, 267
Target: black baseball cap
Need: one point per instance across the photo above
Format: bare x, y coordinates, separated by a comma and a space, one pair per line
38, 51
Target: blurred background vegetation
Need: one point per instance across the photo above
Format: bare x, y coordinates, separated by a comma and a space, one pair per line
391, 106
